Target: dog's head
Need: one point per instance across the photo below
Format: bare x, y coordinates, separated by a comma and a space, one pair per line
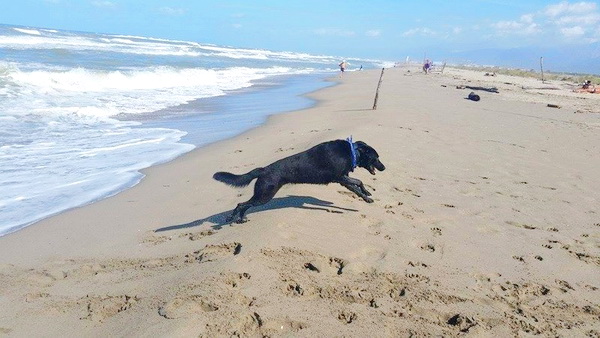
368, 158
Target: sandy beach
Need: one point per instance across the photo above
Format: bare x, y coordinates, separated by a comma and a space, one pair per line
486, 222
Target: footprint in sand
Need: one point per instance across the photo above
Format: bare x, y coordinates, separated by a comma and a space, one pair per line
428, 247
186, 307
338, 264
436, 231
194, 236
521, 225
311, 267
346, 316
564, 285
214, 252
463, 323
101, 308
234, 279
388, 209
417, 264
349, 194
152, 239
307, 260
407, 190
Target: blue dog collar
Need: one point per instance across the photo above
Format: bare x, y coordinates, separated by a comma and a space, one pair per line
352, 151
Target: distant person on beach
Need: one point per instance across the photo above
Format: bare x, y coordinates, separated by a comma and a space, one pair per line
427, 66
343, 66
587, 87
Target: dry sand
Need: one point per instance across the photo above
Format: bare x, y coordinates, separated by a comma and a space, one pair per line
486, 223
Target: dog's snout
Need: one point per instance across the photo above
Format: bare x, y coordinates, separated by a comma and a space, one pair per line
379, 166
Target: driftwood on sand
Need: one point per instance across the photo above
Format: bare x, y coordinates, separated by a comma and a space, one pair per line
486, 89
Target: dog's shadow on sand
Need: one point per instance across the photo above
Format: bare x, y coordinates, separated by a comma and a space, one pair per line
302, 202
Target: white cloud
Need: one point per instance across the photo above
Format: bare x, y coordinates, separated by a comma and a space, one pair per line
525, 26
527, 18
576, 21
585, 19
333, 32
373, 33
419, 31
567, 8
171, 11
507, 25
571, 32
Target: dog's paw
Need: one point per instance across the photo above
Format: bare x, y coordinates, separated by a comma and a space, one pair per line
242, 220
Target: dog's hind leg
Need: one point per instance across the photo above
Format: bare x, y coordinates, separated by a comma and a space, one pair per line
264, 190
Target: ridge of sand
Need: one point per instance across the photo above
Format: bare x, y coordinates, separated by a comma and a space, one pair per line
484, 223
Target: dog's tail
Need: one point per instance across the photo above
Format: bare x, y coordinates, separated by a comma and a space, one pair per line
238, 180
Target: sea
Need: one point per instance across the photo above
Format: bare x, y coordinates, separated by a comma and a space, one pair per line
82, 113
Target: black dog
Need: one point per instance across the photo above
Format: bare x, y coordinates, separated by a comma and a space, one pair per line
328, 162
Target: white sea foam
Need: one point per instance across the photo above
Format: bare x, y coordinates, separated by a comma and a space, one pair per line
48, 39
28, 31
107, 93
63, 163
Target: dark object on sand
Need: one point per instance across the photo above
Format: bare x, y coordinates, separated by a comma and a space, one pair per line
328, 162
485, 89
553, 105
473, 96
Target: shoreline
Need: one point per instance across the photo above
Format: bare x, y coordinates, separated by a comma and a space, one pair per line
484, 222
203, 128
56, 219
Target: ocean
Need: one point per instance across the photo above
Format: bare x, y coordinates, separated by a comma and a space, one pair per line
82, 113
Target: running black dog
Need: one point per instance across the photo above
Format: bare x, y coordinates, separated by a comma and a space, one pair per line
328, 162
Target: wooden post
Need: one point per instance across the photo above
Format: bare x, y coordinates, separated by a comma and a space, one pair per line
377, 91
542, 67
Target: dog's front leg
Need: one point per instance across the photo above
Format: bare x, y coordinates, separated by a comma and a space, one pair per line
356, 189
357, 182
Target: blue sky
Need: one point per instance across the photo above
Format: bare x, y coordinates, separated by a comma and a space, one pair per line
379, 29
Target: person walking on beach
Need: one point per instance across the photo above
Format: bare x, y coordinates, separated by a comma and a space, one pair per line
427, 66
343, 66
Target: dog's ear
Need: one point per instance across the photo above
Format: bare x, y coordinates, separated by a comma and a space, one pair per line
366, 150
360, 144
